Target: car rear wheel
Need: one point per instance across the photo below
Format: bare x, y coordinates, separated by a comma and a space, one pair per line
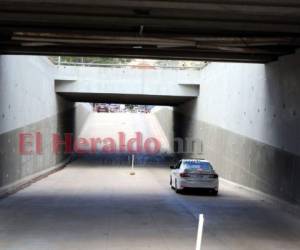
176, 188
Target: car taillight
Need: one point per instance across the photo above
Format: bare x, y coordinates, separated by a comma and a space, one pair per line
184, 175
214, 176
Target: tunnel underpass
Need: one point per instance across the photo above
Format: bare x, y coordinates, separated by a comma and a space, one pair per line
236, 104
79, 200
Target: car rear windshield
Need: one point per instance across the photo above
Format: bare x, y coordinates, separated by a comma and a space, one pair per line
192, 166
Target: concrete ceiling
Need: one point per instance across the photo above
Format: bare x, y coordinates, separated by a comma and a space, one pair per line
212, 30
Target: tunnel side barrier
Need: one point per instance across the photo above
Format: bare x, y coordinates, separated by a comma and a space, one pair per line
31, 107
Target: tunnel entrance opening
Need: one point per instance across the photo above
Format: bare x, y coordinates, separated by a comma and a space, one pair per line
112, 133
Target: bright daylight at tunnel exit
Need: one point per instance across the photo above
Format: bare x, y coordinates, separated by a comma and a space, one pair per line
151, 124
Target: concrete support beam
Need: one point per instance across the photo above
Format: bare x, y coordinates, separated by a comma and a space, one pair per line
156, 86
154, 94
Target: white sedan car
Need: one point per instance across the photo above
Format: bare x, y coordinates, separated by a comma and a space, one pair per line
191, 173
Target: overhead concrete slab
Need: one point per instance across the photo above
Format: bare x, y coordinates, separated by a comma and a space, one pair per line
137, 94
127, 85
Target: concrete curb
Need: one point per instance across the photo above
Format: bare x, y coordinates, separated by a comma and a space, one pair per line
27, 181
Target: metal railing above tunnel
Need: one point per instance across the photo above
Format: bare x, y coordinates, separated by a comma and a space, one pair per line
142, 64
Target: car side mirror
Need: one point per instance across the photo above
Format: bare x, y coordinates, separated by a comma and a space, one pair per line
172, 167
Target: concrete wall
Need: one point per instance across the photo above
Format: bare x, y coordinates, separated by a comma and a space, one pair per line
28, 103
247, 116
165, 118
82, 112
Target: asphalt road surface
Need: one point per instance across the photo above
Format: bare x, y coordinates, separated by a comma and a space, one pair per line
87, 207
108, 125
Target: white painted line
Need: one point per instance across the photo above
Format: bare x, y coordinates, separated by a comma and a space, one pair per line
200, 232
